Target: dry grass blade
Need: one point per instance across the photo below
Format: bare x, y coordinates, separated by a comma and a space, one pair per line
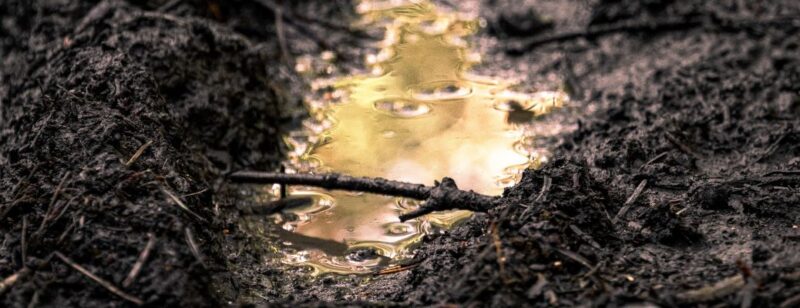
181, 204
110, 287
193, 246
720, 289
682, 147
397, 268
11, 280
545, 188
24, 240
575, 257
138, 153
638, 191
137, 267
793, 301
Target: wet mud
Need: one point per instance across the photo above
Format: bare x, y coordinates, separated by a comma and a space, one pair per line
679, 185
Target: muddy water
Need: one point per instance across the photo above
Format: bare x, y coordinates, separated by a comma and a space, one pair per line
416, 115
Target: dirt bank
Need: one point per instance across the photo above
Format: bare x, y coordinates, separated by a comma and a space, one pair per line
116, 121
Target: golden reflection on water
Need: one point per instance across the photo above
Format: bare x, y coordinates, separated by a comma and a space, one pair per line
417, 117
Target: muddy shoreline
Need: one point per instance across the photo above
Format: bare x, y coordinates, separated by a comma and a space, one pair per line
120, 119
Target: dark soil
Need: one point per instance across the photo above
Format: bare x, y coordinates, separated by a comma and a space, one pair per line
704, 119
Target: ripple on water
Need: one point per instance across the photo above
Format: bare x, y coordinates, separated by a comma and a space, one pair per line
440, 91
402, 107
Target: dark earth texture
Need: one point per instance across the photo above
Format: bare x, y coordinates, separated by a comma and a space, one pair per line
680, 185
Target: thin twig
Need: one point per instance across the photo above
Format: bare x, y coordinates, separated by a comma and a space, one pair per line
66, 231
653, 160
442, 196
19, 184
24, 239
109, 286
545, 188
398, 268
575, 257
596, 31
630, 201
137, 267
546, 182
49, 214
181, 204
498, 250
138, 153
772, 147
11, 280
681, 146
661, 25
718, 290
193, 246
43, 127
586, 237
281, 34
793, 301
194, 193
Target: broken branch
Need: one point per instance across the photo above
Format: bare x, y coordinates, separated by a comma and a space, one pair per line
442, 196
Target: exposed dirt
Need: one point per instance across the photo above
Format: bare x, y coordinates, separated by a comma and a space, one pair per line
703, 119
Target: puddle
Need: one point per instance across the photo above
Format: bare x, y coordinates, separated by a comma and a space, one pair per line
416, 115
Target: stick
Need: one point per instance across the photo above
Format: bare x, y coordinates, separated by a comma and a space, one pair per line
630, 201
586, 237
181, 204
24, 240
11, 280
595, 31
659, 156
498, 251
681, 146
194, 193
545, 188
138, 153
666, 24
398, 268
19, 184
101, 281
793, 301
575, 257
281, 35
718, 290
137, 267
442, 196
193, 246
50, 213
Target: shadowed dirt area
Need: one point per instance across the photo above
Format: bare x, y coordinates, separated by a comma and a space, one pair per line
679, 187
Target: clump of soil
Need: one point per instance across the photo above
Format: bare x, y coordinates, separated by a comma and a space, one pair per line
712, 140
683, 172
116, 121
